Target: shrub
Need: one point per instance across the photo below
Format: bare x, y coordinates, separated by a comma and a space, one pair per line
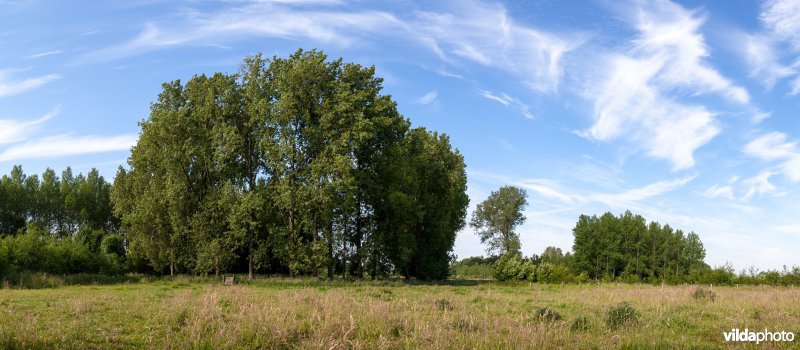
544, 272
508, 267
580, 324
547, 314
583, 277
703, 294
623, 314
444, 305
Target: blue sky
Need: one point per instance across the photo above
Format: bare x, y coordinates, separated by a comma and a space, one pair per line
684, 112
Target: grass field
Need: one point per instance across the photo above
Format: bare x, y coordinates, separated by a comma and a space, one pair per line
303, 313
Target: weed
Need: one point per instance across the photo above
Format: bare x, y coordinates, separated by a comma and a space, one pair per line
444, 305
581, 323
703, 294
622, 314
547, 314
464, 325
180, 320
756, 315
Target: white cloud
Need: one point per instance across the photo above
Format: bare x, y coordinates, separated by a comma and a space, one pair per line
777, 42
758, 117
45, 54
629, 198
9, 87
719, 191
428, 98
473, 32
759, 185
14, 131
637, 99
67, 145
763, 61
626, 199
547, 189
272, 19
775, 146
782, 18
506, 100
485, 34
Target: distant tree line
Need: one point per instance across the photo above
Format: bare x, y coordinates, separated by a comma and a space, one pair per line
58, 225
620, 246
607, 248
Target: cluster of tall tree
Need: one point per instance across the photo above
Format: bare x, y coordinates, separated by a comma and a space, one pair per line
612, 246
62, 207
293, 165
58, 225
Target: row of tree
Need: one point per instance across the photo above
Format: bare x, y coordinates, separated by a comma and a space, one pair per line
295, 165
606, 247
626, 245
58, 206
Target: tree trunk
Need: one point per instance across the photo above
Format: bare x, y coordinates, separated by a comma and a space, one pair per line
250, 264
330, 251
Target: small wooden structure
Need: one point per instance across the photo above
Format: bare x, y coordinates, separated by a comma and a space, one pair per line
227, 280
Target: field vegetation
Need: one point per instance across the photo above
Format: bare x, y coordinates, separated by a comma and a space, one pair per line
191, 312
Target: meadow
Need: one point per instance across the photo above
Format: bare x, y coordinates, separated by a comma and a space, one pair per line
190, 313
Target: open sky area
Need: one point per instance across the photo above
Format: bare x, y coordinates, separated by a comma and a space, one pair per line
684, 112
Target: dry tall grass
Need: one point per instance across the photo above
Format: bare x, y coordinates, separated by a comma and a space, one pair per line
375, 316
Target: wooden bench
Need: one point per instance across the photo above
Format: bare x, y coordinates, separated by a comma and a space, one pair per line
227, 280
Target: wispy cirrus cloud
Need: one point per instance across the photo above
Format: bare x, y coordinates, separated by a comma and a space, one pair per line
44, 54
67, 145
639, 96
507, 100
624, 199
10, 86
631, 198
484, 33
428, 98
473, 32
773, 54
776, 147
14, 130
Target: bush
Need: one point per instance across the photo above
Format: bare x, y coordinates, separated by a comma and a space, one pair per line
703, 294
444, 305
623, 314
561, 273
580, 324
544, 272
547, 314
508, 267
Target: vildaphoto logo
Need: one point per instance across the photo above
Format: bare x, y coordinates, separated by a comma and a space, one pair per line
758, 337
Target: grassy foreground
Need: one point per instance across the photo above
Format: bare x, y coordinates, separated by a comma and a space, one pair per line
296, 313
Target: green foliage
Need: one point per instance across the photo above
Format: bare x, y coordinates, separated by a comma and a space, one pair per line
511, 266
496, 218
580, 323
36, 250
610, 247
621, 315
296, 164
473, 267
544, 272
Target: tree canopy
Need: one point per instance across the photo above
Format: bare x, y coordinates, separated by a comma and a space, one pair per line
496, 218
609, 246
291, 165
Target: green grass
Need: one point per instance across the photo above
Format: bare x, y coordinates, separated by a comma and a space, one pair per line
194, 313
